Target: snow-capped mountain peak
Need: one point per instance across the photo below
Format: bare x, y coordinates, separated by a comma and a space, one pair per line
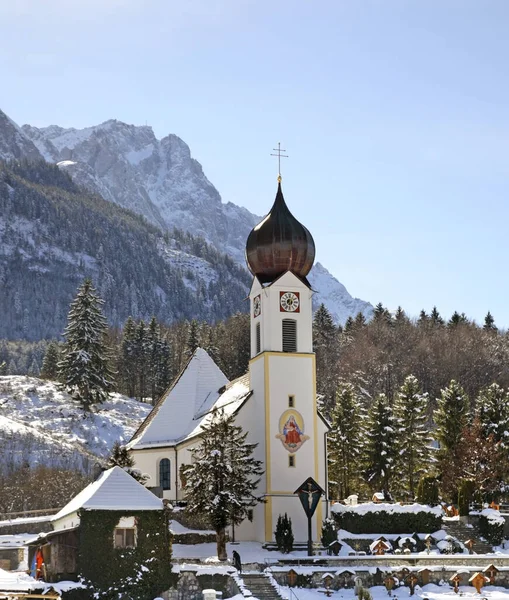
159, 179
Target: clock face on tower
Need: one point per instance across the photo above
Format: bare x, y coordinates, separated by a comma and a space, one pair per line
289, 301
257, 306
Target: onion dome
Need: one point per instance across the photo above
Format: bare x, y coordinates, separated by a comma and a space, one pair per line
279, 243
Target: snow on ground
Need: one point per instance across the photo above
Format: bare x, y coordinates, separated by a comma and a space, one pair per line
177, 528
55, 427
21, 582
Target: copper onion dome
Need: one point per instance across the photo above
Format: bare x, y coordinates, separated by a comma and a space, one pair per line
278, 244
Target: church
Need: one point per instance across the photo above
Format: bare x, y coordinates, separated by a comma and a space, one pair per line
275, 401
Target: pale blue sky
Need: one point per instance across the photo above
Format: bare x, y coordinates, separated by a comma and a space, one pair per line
394, 114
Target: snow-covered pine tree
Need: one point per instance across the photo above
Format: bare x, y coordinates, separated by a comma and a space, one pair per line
84, 368
223, 476
451, 416
381, 446
345, 441
49, 369
493, 413
413, 434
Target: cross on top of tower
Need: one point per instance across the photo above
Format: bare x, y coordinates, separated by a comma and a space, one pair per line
279, 150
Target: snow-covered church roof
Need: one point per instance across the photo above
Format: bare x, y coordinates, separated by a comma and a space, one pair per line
200, 389
114, 489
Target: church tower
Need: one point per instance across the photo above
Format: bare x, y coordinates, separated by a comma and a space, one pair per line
280, 252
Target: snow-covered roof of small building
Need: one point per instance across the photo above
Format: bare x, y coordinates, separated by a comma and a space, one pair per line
114, 489
200, 389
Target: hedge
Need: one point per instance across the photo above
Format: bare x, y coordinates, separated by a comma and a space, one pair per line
491, 526
387, 518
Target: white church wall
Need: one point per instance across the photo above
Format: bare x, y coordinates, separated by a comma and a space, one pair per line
251, 417
147, 461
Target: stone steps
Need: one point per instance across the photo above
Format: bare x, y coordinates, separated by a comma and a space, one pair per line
462, 532
260, 586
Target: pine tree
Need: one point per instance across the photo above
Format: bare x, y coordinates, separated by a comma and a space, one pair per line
423, 319
193, 337
457, 319
120, 457
84, 368
141, 359
381, 446
493, 413
49, 369
325, 346
359, 321
413, 433
158, 361
451, 416
345, 441
223, 476
489, 323
435, 318
400, 317
349, 326
378, 312
127, 367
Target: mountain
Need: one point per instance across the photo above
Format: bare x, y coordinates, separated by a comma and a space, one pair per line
14, 144
160, 180
54, 233
40, 424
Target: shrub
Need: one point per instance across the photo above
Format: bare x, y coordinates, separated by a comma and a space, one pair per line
329, 532
491, 526
427, 491
465, 492
387, 518
284, 534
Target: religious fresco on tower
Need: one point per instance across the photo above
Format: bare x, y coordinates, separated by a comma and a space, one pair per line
291, 430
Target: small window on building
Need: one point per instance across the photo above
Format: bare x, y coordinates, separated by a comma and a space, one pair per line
258, 339
125, 537
291, 460
165, 474
289, 335
291, 401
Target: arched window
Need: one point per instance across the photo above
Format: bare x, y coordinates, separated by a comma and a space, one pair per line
165, 474
258, 339
289, 335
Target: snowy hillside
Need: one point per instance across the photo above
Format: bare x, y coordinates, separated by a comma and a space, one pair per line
40, 423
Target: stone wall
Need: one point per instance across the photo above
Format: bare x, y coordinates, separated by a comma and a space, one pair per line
190, 586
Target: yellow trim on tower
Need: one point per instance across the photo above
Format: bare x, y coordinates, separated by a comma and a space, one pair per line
319, 515
268, 504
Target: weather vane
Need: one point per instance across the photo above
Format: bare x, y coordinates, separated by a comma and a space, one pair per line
279, 157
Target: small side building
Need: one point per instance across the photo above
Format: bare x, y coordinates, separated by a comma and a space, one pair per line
107, 533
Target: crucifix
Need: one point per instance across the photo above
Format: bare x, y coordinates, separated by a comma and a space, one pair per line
279, 150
